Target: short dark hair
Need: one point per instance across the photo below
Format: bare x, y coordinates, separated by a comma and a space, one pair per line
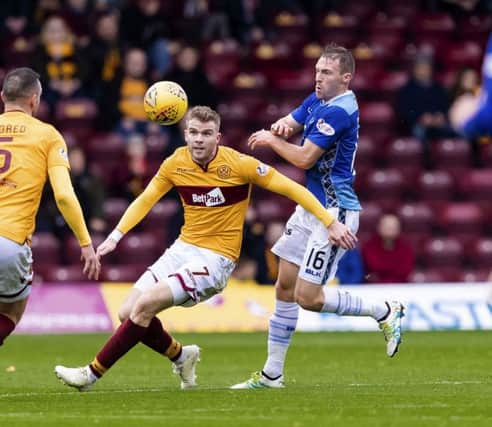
344, 56
20, 83
204, 114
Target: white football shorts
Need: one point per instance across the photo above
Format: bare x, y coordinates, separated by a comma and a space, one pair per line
305, 243
194, 274
15, 270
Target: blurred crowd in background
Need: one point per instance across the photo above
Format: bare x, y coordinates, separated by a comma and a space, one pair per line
426, 192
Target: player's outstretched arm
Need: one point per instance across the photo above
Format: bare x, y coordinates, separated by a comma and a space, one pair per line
338, 233
303, 157
69, 206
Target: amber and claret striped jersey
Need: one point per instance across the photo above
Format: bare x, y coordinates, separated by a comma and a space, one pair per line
28, 148
215, 199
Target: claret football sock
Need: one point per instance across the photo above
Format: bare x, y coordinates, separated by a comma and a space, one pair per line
345, 304
159, 340
6, 327
124, 338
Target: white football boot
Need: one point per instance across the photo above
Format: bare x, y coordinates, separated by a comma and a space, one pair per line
186, 368
80, 378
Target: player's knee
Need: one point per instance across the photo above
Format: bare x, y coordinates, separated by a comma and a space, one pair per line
284, 290
307, 300
141, 313
123, 314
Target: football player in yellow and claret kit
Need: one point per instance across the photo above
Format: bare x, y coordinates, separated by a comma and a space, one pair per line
214, 183
30, 151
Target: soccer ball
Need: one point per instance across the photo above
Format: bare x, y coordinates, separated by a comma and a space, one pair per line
165, 102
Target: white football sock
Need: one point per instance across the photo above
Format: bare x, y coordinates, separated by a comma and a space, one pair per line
281, 327
345, 304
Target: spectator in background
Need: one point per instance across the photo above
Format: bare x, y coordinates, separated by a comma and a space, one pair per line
104, 51
351, 268
60, 63
145, 25
133, 174
466, 81
78, 16
122, 98
189, 73
89, 190
16, 30
422, 103
388, 257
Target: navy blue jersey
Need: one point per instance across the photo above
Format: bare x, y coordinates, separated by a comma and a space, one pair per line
333, 126
480, 124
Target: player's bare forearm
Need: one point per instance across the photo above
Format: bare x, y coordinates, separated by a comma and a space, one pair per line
286, 126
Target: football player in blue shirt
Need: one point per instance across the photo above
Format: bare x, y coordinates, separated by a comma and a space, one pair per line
329, 120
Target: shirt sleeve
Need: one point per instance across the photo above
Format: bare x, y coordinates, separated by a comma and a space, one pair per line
329, 126
255, 171
57, 150
300, 113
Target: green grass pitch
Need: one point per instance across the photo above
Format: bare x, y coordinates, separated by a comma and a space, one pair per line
333, 379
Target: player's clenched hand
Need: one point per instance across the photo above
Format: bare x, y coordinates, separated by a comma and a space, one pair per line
260, 138
280, 128
340, 235
106, 247
92, 266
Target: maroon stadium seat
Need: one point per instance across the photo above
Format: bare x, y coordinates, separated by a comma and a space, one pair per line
161, 215
406, 154
475, 27
428, 275
461, 218
113, 210
443, 252
453, 155
475, 275
480, 253
416, 218
369, 217
383, 24
377, 119
465, 53
45, 248
435, 187
436, 25
291, 28
139, 248
476, 185
337, 28
78, 115
385, 186
69, 273
122, 273
276, 208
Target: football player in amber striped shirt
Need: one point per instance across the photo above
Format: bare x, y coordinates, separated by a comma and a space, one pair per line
30, 152
214, 184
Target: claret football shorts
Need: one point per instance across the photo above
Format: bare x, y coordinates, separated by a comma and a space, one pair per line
305, 243
194, 274
15, 270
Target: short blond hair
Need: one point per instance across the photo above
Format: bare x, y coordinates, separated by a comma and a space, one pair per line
203, 114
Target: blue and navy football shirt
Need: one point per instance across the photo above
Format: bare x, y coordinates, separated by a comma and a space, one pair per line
333, 126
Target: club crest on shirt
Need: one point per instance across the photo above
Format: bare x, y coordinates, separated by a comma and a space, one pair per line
262, 169
224, 171
63, 153
324, 128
